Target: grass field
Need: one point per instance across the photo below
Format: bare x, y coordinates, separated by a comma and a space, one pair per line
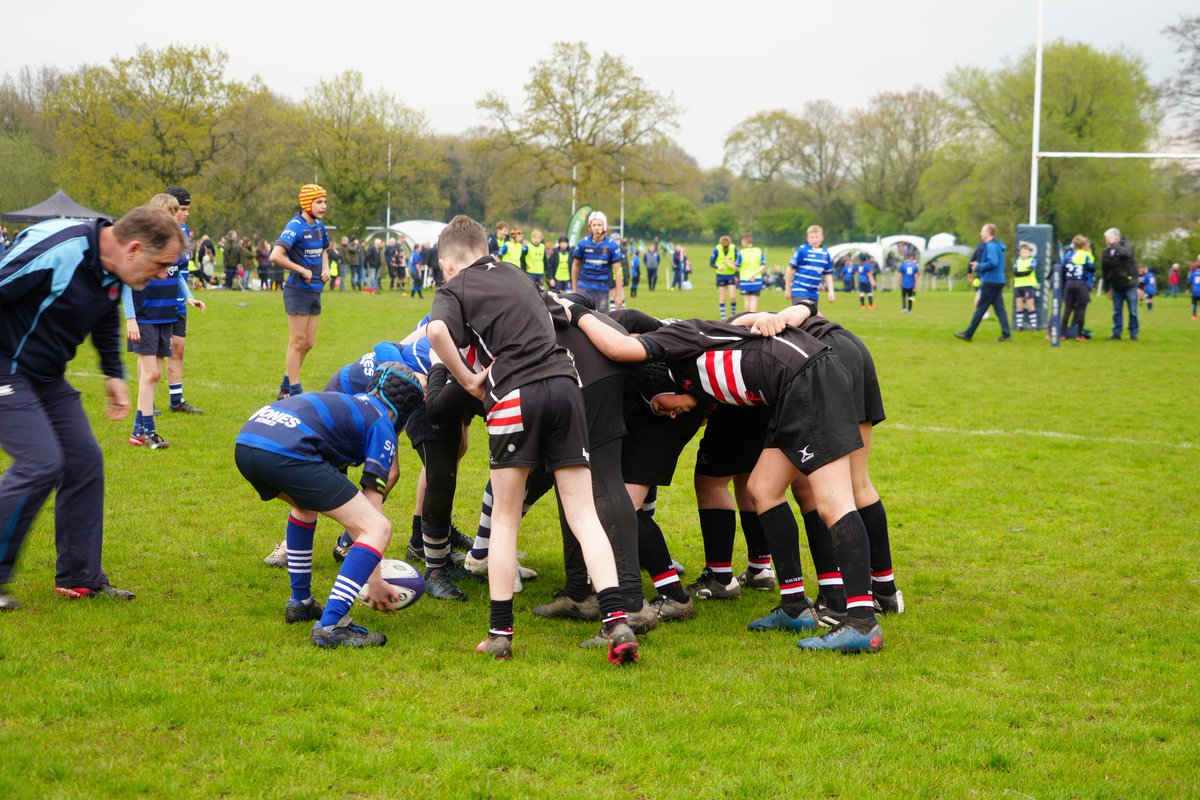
1043, 511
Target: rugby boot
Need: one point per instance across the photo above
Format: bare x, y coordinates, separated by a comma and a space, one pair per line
847, 638
344, 633
781, 620
563, 607
709, 587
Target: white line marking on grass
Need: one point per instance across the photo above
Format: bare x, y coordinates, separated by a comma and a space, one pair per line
1077, 437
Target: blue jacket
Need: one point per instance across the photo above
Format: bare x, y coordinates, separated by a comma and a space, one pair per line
991, 267
53, 293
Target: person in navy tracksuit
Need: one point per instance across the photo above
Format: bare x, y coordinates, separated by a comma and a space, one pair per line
61, 281
991, 270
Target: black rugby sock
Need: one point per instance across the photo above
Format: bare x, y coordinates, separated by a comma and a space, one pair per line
500, 622
612, 607
718, 527
758, 552
875, 520
853, 550
655, 558
829, 578
783, 536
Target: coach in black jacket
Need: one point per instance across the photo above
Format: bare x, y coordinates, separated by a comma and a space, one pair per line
1120, 281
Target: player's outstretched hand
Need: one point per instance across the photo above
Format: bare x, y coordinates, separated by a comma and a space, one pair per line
116, 406
194, 303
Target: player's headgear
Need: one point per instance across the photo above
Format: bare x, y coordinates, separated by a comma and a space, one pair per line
600, 216
398, 388
655, 378
179, 193
308, 193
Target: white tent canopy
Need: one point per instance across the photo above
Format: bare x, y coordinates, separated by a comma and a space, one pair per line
418, 231
873, 249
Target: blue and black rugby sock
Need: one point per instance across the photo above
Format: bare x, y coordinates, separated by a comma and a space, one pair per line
176, 393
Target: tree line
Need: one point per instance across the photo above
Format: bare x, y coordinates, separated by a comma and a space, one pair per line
920, 161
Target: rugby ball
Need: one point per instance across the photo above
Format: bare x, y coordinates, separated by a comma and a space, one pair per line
404, 577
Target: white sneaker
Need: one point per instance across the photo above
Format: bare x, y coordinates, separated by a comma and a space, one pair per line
278, 557
478, 566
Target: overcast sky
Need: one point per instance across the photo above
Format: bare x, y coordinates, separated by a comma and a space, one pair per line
723, 60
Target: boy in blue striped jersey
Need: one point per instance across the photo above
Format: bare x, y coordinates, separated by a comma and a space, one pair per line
150, 317
810, 269
303, 250
293, 450
184, 299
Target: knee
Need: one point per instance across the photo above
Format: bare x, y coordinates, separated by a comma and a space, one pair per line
151, 370
762, 494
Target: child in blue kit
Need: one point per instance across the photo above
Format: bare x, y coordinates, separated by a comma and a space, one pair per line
295, 449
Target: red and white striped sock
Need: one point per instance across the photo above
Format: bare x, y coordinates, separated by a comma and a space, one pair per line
883, 583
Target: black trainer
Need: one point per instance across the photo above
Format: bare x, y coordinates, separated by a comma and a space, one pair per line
459, 540
439, 586
185, 408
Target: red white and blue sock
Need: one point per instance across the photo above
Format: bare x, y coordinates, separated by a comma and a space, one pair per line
356, 569
299, 556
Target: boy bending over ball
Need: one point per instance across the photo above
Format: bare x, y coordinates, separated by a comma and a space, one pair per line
296, 449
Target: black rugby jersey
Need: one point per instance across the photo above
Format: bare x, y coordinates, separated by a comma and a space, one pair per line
494, 307
730, 364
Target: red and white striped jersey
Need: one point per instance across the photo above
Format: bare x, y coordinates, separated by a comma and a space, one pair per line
730, 364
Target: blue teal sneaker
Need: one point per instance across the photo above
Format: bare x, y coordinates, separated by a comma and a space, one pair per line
302, 611
847, 639
780, 620
342, 548
344, 633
